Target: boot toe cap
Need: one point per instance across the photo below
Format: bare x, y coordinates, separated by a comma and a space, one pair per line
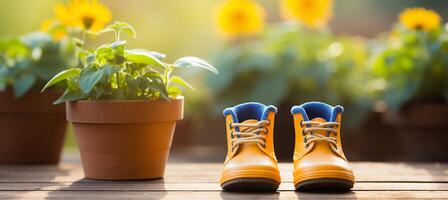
243, 169
318, 170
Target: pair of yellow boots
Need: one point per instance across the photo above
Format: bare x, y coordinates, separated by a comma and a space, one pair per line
319, 162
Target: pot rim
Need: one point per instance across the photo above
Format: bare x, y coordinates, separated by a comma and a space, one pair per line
125, 111
178, 98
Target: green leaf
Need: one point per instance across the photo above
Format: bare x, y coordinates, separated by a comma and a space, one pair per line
118, 27
160, 87
62, 76
128, 29
89, 77
118, 44
155, 54
70, 95
72, 85
174, 91
104, 53
153, 75
182, 82
90, 58
119, 48
23, 85
143, 57
132, 83
187, 62
158, 55
110, 69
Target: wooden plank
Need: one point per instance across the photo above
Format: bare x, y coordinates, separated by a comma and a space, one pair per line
200, 181
413, 172
205, 172
220, 195
159, 186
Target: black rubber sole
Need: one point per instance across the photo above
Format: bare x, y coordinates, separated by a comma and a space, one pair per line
325, 184
251, 184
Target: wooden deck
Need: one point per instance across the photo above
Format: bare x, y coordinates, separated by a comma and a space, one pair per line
199, 181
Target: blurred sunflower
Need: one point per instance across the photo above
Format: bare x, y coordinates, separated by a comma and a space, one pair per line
53, 27
84, 14
239, 17
313, 13
420, 19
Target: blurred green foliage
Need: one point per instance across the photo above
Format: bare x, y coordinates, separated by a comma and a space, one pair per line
31, 60
414, 66
292, 64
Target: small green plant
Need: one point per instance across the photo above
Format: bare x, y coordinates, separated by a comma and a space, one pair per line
413, 64
113, 72
30, 61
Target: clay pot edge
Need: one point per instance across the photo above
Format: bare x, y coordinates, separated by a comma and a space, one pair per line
126, 111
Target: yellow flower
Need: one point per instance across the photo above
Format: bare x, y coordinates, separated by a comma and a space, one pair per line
313, 13
53, 27
84, 14
239, 17
420, 19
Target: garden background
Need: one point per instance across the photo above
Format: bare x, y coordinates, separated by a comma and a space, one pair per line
181, 28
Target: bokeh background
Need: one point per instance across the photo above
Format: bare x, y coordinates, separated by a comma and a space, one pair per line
187, 28
180, 28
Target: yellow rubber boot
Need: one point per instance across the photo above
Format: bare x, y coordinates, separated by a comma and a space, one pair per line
319, 161
250, 163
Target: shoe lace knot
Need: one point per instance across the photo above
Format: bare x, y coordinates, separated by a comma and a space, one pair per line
249, 133
310, 127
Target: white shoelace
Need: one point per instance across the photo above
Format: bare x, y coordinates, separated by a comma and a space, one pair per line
249, 135
311, 137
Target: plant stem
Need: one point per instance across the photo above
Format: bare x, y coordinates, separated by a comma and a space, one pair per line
79, 49
83, 39
118, 79
168, 71
117, 35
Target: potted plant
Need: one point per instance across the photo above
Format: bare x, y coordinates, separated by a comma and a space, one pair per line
124, 105
412, 62
32, 130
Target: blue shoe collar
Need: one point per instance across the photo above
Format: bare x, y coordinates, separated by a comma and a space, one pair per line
251, 110
313, 110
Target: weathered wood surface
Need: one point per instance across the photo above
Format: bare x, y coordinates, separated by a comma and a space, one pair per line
200, 181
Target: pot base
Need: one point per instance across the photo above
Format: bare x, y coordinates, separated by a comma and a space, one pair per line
126, 166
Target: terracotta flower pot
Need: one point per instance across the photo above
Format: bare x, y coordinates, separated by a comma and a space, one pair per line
124, 140
32, 130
